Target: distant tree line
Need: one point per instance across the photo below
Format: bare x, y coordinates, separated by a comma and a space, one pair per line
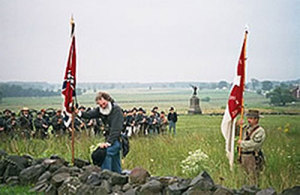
7, 90
281, 95
254, 85
12, 90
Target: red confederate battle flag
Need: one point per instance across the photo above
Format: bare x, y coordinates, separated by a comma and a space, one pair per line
234, 105
69, 84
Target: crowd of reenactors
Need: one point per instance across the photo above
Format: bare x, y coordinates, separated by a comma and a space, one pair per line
137, 122
30, 123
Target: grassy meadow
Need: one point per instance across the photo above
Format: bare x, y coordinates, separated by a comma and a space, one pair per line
164, 155
163, 98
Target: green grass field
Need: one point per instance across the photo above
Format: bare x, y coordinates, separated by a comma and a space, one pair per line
163, 98
163, 155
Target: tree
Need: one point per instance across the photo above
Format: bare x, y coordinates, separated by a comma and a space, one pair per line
280, 96
255, 83
259, 92
267, 85
1, 95
223, 84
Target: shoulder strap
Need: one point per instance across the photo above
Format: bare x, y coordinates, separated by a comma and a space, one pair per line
249, 135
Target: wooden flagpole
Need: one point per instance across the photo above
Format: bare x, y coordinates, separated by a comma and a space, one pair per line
73, 110
242, 108
73, 122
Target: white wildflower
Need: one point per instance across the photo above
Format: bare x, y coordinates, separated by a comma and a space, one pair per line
194, 162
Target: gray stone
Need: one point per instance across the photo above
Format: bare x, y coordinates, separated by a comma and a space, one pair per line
46, 175
268, 191
151, 187
178, 188
291, 191
66, 163
3, 154
20, 161
87, 190
31, 174
100, 190
106, 185
59, 178
10, 171
223, 191
130, 192
69, 186
116, 189
249, 190
92, 168
195, 191
39, 188
12, 181
51, 190
87, 171
138, 176
94, 179
38, 161
126, 187
117, 179
202, 182
63, 169
75, 171
41, 182
165, 181
81, 163
29, 158
106, 174
3, 166
54, 164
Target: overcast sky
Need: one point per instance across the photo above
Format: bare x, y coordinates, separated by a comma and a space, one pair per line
149, 40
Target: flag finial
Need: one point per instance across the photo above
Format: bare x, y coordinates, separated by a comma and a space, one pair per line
72, 25
246, 28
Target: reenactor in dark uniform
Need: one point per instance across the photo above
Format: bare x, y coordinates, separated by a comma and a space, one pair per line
2, 127
153, 123
141, 121
130, 123
172, 118
124, 120
41, 126
155, 110
7, 114
58, 124
81, 123
111, 115
26, 123
163, 122
46, 117
12, 126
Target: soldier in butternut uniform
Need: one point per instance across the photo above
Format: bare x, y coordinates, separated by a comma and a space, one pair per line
252, 159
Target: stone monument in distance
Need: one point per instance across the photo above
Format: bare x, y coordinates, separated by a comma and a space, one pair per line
194, 103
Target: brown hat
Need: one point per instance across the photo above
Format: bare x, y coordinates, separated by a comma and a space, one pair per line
253, 113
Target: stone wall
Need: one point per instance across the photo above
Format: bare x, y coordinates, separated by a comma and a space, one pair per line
54, 175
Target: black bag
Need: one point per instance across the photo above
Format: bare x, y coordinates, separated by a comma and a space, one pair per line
260, 160
98, 156
125, 145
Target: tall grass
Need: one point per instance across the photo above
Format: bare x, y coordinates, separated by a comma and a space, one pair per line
162, 155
